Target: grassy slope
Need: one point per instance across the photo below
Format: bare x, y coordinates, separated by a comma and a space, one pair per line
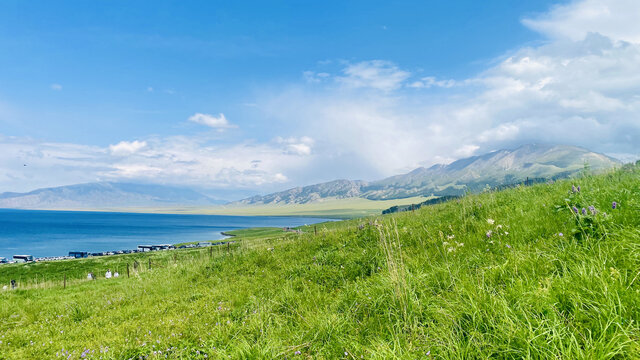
398, 287
329, 208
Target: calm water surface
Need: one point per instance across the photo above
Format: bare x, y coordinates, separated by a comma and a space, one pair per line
55, 233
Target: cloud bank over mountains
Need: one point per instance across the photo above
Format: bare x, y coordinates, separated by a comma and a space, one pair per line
373, 118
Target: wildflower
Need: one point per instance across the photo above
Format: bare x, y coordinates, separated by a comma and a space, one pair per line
490, 221
450, 237
584, 211
592, 210
508, 246
489, 233
450, 249
298, 352
560, 234
499, 226
575, 210
614, 205
573, 188
578, 188
461, 244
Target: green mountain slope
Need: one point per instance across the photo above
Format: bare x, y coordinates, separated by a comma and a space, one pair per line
508, 275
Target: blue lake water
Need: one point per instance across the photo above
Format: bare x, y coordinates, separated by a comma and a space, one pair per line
55, 233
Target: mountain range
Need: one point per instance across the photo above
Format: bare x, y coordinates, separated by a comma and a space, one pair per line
533, 161
105, 195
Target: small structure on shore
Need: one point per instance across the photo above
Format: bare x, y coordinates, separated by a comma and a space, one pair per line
23, 258
3, 260
78, 254
143, 248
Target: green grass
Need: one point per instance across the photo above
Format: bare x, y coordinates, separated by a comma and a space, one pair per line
488, 276
327, 208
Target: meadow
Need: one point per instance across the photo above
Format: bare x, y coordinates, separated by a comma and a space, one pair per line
546, 271
330, 208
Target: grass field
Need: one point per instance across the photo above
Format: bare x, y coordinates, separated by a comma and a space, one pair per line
328, 208
506, 275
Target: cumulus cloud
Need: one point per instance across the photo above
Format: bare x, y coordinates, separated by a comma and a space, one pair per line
371, 118
580, 87
125, 148
297, 146
217, 122
184, 160
615, 19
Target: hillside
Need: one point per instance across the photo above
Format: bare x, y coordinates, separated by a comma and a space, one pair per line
469, 174
510, 274
104, 195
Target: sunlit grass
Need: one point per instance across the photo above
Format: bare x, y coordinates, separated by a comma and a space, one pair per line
511, 274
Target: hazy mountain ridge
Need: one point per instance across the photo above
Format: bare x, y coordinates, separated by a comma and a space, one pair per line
472, 174
336, 189
104, 195
469, 174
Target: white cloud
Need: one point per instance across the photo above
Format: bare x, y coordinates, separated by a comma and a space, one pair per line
616, 19
179, 160
375, 74
216, 122
56, 87
574, 89
466, 150
297, 146
430, 81
125, 148
581, 87
313, 77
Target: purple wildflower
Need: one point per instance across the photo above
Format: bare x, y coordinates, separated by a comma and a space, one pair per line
489, 233
573, 188
508, 246
584, 211
592, 210
298, 352
575, 210
578, 188
614, 205
560, 234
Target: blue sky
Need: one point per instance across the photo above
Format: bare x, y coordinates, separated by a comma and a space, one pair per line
260, 96
213, 56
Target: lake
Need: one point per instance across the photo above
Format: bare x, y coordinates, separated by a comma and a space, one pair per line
55, 233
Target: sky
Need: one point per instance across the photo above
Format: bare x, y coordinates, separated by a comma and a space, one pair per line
240, 98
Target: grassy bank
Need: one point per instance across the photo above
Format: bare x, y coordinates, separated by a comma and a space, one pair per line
510, 274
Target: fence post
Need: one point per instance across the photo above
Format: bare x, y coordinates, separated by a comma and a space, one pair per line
210, 252
127, 270
315, 230
149, 263
64, 284
228, 248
